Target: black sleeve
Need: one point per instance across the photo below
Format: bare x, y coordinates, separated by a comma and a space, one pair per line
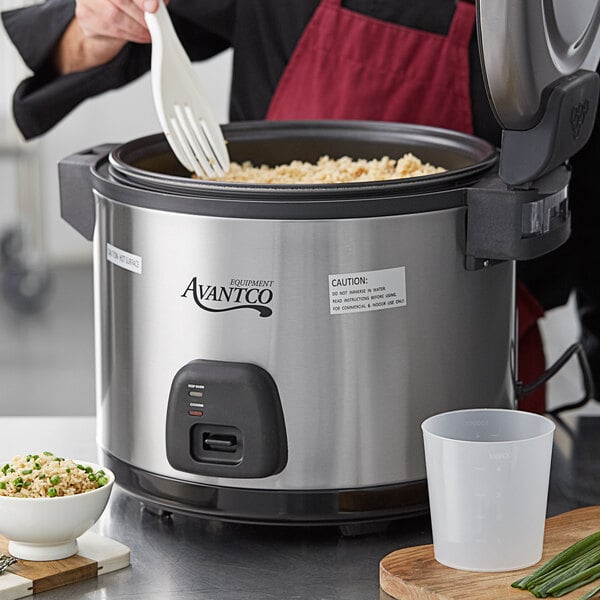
44, 99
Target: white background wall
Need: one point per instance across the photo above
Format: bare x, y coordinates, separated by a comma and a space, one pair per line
117, 116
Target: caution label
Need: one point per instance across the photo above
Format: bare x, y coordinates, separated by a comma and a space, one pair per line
367, 291
125, 260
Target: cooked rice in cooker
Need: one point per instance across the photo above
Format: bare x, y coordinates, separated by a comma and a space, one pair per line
45, 475
330, 170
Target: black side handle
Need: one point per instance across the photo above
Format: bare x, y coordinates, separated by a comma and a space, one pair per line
567, 120
77, 206
516, 224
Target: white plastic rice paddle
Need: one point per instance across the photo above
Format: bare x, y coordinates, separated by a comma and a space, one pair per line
183, 111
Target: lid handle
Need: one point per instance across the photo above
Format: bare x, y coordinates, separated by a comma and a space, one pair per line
568, 112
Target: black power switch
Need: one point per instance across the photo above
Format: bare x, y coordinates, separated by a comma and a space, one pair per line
216, 444
224, 419
219, 443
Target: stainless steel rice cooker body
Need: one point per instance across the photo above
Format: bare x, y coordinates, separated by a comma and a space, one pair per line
268, 353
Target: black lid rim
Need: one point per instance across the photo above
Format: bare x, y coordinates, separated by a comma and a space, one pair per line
118, 177
484, 154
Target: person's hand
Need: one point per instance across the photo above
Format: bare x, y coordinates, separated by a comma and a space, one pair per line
99, 31
121, 20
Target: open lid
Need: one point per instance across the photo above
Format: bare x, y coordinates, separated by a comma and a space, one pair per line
526, 45
539, 59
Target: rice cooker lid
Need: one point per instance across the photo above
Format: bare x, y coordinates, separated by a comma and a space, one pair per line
527, 45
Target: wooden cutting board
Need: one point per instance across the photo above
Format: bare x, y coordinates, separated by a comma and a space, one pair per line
97, 555
413, 573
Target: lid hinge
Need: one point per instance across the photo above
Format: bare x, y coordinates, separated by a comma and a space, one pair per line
516, 224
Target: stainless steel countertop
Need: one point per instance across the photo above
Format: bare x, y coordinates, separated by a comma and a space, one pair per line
185, 558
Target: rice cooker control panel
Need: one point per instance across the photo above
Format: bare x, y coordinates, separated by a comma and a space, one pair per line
224, 419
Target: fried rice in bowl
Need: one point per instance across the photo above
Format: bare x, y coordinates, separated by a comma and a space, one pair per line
47, 502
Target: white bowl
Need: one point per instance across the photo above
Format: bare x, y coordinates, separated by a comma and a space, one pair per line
47, 528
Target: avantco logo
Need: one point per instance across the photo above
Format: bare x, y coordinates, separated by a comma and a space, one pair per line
253, 294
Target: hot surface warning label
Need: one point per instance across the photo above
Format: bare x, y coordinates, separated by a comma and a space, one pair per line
367, 291
125, 260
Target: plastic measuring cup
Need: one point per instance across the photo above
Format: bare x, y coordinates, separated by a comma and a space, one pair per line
487, 474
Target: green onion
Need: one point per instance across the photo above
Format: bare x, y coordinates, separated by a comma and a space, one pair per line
577, 565
92, 477
36, 465
26, 471
42, 476
52, 492
2, 485
48, 454
573, 574
89, 470
575, 581
591, 593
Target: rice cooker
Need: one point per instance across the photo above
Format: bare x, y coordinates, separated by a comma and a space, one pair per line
267, 353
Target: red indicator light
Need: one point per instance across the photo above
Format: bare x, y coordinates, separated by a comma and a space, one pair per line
195, 413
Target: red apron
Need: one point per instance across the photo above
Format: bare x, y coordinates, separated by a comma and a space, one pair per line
351, 66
